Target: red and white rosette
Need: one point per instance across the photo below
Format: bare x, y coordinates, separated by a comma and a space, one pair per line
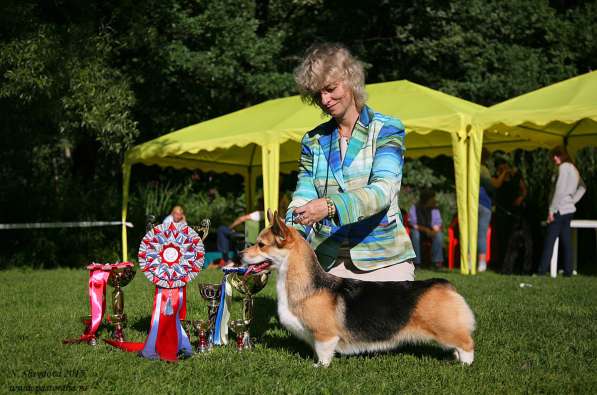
171, 255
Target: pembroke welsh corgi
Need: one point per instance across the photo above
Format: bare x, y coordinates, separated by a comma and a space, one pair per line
347, 316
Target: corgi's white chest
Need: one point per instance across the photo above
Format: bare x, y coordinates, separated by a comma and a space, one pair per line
287, 319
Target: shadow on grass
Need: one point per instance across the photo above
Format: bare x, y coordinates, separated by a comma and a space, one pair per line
425, 350
416, 350
142, 324
266, 308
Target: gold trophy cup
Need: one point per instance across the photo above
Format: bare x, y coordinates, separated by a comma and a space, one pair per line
119, 278
211, 294
246, 285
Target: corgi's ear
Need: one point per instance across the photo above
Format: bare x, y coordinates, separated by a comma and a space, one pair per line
279, 229
270, 216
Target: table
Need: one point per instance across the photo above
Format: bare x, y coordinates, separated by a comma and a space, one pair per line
574, 225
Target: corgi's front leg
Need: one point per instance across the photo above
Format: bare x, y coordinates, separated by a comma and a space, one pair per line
325, 350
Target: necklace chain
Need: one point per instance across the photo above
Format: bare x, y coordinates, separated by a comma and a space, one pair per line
351, 130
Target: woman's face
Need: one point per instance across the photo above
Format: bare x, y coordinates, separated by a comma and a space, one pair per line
177, 215
336, 99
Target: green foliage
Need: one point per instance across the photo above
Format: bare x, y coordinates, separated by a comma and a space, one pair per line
484, 51
28, 66
419, 176
99, 101
528, 340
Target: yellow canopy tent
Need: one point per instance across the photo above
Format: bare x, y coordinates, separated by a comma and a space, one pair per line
564, 113
263, 139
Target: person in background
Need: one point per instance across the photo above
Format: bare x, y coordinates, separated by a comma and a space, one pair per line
487, 187
176, 215
569, 189
426, 223
510, 193
226, 235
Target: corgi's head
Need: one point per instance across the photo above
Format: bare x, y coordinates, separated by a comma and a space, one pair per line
272, 247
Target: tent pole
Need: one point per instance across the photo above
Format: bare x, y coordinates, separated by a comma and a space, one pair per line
126, 178
270, 155
475, 143
459, 148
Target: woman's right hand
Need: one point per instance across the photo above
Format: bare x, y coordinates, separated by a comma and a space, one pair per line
312, 212
550, 217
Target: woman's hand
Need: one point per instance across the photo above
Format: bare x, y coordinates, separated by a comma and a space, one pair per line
550, 217
312, 212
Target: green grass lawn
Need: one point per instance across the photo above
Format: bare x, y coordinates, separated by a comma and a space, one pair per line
541, 339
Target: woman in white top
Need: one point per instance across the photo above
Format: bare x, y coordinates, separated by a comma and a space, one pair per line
569, 189
176, 215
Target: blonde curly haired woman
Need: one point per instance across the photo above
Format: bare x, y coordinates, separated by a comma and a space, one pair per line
346, 199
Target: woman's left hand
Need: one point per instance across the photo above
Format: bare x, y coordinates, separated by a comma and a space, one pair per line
550, 217
312, 212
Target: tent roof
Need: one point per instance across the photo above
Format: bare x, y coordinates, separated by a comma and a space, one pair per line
429, 117
545, 117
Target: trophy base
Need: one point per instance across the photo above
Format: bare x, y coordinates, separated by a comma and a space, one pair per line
119, 322
86, 320
247, 342
199, 327
243, 337
203, 349
118, 335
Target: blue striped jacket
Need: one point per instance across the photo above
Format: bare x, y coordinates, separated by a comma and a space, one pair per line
364, 189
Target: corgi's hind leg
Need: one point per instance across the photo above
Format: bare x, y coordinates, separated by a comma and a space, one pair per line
462, 343
464, 357
325, 350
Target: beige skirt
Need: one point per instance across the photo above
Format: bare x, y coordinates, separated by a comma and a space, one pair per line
345, 268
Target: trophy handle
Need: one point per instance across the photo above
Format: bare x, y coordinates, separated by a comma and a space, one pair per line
203, 230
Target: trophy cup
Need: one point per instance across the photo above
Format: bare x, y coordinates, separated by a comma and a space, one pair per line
202, 328
211, 294
247, 285
119, 277
239, 327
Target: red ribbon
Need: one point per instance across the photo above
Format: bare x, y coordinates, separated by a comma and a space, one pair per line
97, 299
98, 278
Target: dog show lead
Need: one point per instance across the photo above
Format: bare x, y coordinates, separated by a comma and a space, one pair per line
350, 170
